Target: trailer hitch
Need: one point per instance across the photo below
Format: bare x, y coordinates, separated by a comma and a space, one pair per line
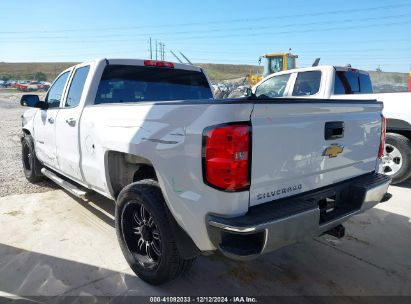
338, 231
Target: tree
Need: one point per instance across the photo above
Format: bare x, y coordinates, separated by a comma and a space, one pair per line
40, 76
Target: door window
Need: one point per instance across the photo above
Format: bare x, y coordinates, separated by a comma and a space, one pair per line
307, 83
77, 86
290, 63
55, 93
273, 87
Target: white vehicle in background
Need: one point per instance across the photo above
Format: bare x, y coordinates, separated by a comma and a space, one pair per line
191, 174
332, 82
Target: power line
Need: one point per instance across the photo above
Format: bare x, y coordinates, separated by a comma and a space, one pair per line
354, 10
268, 34
234, 29
297, 31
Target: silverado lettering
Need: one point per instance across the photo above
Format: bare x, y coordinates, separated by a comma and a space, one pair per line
279, 191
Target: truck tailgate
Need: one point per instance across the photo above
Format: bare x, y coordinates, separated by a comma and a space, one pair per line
290, 152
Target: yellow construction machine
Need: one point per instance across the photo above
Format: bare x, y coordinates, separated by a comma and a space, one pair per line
273, 63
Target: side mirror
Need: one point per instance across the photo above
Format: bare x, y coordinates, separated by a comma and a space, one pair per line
32, 100
248, 92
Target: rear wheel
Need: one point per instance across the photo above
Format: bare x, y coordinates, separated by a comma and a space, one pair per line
145, 235
31, 165
396, 161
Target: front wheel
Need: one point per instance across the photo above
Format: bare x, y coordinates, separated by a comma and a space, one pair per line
145, 235
396, 160
31, 165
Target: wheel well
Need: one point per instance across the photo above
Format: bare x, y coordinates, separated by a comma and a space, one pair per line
124, 169
399, 126
404, 133
27, 132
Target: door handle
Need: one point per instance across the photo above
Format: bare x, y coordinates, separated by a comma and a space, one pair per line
71, 122
51, 120
333, 130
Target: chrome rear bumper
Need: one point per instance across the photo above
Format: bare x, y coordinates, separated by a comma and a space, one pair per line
270, 226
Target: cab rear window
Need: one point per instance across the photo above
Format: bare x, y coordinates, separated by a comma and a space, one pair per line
126, 83
352, 82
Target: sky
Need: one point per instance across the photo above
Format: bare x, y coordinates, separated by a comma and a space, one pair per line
366, 34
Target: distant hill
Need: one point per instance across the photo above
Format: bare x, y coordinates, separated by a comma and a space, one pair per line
382, 81
389, 77
26, 71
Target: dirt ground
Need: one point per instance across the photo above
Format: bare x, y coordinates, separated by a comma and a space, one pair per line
12, 179
53, 244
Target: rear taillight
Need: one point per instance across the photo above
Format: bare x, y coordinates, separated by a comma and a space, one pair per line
226, 157
157, 63
383, 134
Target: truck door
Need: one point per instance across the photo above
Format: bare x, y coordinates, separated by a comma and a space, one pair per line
44, 123
67, 126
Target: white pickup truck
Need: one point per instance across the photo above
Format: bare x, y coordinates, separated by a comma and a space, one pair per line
191, 174
332, 82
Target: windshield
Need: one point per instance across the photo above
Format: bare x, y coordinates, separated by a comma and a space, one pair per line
126, 83
277, 64
272, 87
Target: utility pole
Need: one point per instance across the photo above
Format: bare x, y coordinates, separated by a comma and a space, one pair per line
161, 50
151, 50
156, 49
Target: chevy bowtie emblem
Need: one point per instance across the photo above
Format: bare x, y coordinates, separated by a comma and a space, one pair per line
333, 150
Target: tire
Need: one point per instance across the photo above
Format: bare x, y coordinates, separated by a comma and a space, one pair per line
396, 161
145, 236
31, 165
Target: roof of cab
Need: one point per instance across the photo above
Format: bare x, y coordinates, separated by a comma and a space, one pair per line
136, 62
140, 62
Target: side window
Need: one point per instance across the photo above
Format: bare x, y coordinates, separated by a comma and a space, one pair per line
77, 86
339, 88
351, 78
273, 87
56, 91
307, 83
365, 84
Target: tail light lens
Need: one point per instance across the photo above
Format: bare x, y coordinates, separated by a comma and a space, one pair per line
383, 135
226, 157
160, 64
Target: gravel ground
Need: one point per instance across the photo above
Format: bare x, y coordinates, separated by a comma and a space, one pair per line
12, 180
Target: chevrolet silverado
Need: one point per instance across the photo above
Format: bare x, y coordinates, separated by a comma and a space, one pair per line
191, 174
